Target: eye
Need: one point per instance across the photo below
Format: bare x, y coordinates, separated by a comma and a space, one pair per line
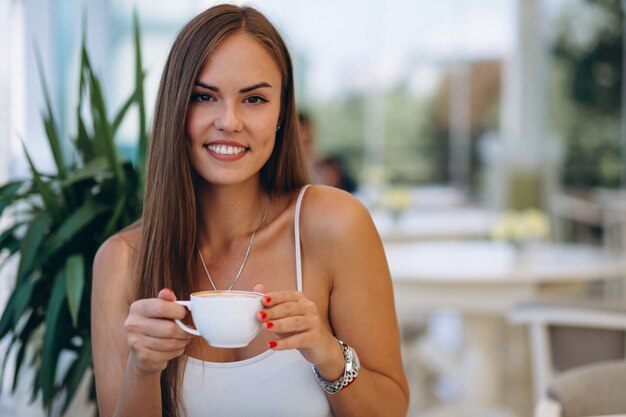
202, 97
255, 100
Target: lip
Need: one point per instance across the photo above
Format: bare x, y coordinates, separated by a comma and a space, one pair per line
221, 157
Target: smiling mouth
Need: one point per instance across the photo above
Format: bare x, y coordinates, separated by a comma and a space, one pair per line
226, 149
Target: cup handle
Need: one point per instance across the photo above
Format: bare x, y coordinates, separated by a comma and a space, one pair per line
181, 324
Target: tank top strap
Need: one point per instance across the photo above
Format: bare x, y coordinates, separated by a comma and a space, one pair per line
296, 223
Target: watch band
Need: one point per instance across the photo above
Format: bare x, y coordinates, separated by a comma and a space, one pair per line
351, 370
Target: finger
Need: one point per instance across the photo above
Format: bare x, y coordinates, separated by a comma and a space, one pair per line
164, 345
301, 307
289, 324
167, 295
258, 287
296, 341
168, 329
278, 297
158, 308
162, 328
281, 311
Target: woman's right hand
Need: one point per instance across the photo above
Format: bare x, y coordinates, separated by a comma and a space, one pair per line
151, 333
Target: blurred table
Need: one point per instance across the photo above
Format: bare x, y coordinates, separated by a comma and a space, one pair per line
429, 224
421, 196
483, 280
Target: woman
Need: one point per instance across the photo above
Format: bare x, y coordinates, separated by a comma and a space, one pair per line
224, 178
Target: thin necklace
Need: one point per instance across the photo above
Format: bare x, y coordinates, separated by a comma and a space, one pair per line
245, 258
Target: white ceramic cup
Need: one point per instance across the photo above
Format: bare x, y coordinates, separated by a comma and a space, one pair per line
225, 319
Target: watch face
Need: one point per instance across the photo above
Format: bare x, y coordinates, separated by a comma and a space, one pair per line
356, 365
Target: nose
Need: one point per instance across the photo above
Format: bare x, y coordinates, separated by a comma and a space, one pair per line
229, 119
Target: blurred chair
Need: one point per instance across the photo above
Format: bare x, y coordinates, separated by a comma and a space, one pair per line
591, 390
596, 216
574, 217
613, 204
572, 345
580, 217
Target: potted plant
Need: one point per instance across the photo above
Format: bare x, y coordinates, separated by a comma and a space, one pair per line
57, 222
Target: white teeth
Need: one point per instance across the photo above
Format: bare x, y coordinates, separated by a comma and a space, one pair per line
226, 150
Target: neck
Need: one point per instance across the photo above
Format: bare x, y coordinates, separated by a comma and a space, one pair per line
226, 214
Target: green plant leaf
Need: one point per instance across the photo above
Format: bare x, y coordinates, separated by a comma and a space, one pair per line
141, 107
51, 202
74, 284
22, 295
122, 112
102, 129
83, 143
7, 318
9, 194
76, 372
97, 167
117, 212
50, 124
53, 141
6, 359
8, 241
19, 359
52, 339
72, 225
30, 247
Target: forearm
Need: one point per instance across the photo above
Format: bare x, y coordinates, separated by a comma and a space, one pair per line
371, 394
140, 394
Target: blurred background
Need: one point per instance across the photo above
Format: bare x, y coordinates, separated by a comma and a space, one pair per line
487, 138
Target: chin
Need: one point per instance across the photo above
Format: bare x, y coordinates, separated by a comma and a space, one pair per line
226, 180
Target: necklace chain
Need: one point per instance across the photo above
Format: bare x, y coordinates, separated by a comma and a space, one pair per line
245, 258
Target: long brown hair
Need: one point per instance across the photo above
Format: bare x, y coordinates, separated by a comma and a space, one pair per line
168, 238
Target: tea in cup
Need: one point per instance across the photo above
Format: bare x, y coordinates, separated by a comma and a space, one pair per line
225, 319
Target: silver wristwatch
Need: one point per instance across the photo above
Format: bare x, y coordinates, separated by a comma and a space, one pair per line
351, 370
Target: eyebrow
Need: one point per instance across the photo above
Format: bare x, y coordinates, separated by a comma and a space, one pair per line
262, 84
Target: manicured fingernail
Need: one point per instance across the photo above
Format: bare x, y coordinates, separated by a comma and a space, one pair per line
169, 289
268, 299
268, 324
273, 345
263, 315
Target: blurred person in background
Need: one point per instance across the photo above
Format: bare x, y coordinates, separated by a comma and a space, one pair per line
225, 165
306, 131
330, 170
335, 173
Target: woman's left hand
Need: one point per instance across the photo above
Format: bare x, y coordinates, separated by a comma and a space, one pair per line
296, 321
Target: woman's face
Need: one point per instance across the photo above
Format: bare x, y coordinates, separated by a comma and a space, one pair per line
234, 111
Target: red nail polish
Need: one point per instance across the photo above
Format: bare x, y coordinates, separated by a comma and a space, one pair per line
268, 299
273, 345
269, 325
263, 315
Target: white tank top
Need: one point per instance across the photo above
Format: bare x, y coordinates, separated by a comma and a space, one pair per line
272, 384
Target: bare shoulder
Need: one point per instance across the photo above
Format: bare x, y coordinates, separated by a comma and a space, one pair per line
332, 214
114, 263
337, 230
119, 248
